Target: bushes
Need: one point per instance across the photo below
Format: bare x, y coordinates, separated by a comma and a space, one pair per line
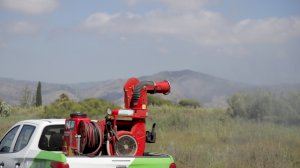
5, 109
189, 103
211, 138
200, 137
157, 101
253, 106
62, 107
262, 105
96, 107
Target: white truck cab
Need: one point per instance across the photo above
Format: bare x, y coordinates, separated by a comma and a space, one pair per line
24, 141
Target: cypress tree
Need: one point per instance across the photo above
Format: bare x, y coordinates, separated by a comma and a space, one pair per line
38, 94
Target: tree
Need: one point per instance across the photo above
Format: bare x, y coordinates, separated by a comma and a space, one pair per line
33, 99
38, 101
63, 106
5, 109
256, 105
189, 103
63, 97
237, 105
26, 97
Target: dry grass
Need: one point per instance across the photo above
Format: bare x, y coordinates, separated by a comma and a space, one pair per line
209, 138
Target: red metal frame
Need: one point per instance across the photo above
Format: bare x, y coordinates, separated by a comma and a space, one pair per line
133, 123
70, 146
138, 123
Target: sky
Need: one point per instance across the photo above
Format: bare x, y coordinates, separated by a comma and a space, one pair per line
70, 41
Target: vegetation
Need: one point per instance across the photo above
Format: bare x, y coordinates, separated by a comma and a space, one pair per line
158, 101
211, 138
26, 99
63, 106
5, 109
261, 105
38, 101
203, 137
189, 103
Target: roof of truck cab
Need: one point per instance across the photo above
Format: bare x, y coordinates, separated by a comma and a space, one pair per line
43, 121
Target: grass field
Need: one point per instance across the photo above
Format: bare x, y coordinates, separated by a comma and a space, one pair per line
209, 138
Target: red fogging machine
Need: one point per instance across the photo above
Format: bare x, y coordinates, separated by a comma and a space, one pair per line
122, 132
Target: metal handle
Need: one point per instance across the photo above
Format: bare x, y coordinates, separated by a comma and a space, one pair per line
78, 143
121, 167
17, 165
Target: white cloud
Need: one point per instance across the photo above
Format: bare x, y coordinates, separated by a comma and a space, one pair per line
152, 22
267, 30
184, 4
203, 27
97, 20
175, 4
29, 6
20, 28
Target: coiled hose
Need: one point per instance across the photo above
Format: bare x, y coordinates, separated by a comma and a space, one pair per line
91, 138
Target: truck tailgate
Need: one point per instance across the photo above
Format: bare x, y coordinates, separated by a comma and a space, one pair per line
120, 162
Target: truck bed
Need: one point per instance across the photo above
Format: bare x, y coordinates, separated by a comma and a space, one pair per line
149, 160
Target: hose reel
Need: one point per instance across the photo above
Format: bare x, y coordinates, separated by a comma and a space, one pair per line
91, 138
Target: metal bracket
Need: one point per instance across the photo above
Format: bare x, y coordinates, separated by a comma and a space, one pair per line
77, 136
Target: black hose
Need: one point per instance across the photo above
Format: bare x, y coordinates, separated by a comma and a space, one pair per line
137, 90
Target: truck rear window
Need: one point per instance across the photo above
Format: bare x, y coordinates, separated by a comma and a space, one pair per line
52, 138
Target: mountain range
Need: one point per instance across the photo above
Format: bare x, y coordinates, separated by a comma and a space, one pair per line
209, 90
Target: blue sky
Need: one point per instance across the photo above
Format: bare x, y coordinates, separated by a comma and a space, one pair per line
66, 41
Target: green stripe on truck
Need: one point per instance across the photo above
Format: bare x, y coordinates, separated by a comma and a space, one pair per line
44, 159
151, 162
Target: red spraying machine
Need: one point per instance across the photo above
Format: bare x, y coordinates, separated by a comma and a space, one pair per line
122, 132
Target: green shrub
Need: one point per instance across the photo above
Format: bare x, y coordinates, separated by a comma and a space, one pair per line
256, 105
158, 101
189, 103
5, 109
96, 107
262, 105
62, 107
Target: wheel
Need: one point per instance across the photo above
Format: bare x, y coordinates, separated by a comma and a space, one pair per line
126, 145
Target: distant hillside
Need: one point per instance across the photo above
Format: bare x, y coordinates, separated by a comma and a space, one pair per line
209, 90
11, 90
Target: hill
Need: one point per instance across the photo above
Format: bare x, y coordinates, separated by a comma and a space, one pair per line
11, 90
209, 90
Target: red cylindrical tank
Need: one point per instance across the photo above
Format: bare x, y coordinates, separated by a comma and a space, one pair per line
70, 145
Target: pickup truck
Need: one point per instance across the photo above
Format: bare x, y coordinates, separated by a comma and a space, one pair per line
38, 144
